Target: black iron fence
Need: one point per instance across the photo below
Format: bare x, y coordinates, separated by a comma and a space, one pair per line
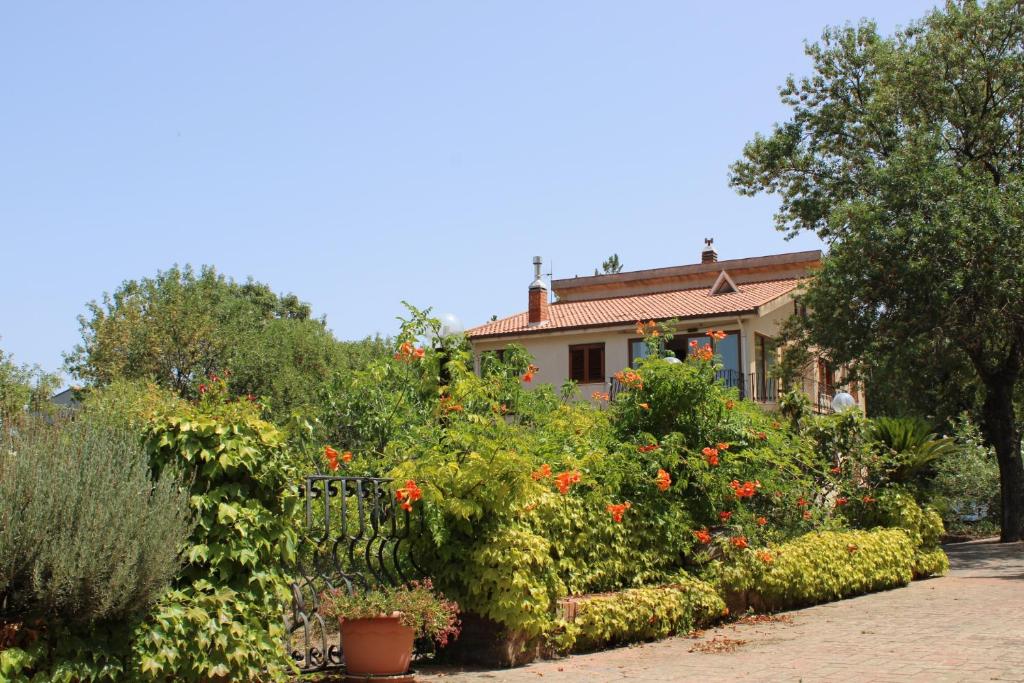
357, 537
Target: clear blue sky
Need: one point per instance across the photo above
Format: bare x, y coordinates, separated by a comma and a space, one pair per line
359, 154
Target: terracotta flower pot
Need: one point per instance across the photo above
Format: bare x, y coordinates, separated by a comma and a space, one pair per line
378, 645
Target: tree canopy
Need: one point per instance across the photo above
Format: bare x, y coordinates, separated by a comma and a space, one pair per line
181, 326
904, 154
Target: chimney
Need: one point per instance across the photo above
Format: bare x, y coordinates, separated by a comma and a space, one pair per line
538, 295
709, 255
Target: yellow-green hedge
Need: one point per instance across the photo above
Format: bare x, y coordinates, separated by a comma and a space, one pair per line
819, 567
639, 614
899, 510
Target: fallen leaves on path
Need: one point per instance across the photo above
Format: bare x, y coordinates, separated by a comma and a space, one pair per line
718, 644
765, 619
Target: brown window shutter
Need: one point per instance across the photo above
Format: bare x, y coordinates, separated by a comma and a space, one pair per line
595, 364
577, 365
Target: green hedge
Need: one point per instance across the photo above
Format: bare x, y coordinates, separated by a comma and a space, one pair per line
819, 567
640, 614
896, 509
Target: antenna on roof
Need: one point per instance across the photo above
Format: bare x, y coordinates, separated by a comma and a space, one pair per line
551, 277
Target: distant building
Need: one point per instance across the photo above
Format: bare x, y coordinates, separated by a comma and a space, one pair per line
66, 399
589, 332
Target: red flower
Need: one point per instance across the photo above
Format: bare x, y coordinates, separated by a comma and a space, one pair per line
704, 353
711, 455
739, 541
214, 377
722, 446
807, 514
868, 500
836, 470
600, 396
202, 388
694, 343
745, 490
663, 480
531, 370
648, 448
765, 556
565, 480
801, 503
332, 457
408, 494
406, 352
250, 397
630, 379
724, 515
840, 501
761, 521
346, 457
418, 353
541, 473
703, 536
617, 510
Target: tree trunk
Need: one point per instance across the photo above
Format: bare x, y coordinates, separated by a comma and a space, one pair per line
998, 422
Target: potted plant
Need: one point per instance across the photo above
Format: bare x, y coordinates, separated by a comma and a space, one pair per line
378, 627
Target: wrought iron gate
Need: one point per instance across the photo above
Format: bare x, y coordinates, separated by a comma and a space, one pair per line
356, 537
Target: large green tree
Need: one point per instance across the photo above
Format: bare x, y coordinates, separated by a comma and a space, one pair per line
181, 325
904, 153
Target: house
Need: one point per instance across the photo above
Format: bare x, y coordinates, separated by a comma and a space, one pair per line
590, 331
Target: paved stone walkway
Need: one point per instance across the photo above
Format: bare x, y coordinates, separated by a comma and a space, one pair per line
968, 626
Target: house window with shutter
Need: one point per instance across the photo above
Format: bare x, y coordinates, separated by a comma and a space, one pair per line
586, 363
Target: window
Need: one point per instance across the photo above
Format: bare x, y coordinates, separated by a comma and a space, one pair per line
586, 363
638, 349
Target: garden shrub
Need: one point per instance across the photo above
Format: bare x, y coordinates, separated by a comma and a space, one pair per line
967, 485
897, 509
818, 567
223, 618
639, 614
87, 534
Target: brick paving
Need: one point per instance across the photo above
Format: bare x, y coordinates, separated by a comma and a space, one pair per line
967, 626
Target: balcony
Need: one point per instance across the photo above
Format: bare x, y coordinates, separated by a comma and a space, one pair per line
760, 388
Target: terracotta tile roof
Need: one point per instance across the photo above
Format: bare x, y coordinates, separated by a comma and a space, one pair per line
685, 303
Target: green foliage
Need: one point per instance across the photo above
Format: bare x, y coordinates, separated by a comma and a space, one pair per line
795, 406
180, 327
508, 540
932, 562
819, 567
223, 619
681, 398
841, 438
967, 484
914, 448
24, 389
610, 265
914, 180
923, 526
640, 614
87, 534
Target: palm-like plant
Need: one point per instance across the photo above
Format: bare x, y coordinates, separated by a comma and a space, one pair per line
913, 444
